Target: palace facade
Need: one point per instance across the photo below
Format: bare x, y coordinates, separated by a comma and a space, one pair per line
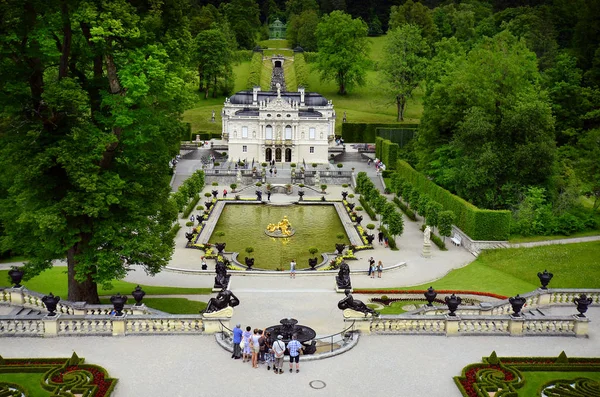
289, 127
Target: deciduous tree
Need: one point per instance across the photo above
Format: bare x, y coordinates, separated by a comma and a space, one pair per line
343, 50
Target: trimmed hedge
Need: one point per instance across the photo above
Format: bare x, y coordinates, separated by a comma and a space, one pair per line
367, 132
401, 136
387, 151
256, 66
301, 71
478, 224
407, 211
367, 208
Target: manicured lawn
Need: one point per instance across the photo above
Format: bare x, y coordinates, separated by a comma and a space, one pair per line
241, 72
171, 305
199, 116
534, 380
289, 71
514, 270
274, 44
265, 75
396, 307
31, 382
55, 280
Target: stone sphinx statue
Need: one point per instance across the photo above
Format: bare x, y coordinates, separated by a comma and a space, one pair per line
350, 303
224, 299
343, 277
222, 278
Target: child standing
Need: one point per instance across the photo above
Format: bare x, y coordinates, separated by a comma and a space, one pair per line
379, 269
373, 269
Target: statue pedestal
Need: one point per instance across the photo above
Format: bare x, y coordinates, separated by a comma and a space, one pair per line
212, 321
342, 290
350, 313
426, 252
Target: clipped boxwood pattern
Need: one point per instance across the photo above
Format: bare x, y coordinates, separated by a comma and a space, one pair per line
60, 376
506, 375
478, 224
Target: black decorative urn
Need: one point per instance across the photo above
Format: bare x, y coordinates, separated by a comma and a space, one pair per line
340, 248
138, 294
370, 238
545, 278
215, 193
220, 247
453, 301
517, 304
344, 194
358, 219
208, 204
16, 275
351, 206
249, 262
118, 302
430, 295
300, 194
582, 304
50, 301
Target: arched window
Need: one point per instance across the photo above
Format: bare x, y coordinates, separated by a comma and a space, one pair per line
288, 132
268, 132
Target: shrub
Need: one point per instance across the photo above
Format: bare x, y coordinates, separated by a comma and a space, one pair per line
345, 185
200, 208
367, 132
445, 221
391, 241
217, 164
370, 226
367, 208
323, 187
258, 184
215, 183
233, 186
189, 223
351, 195
263, 165
220, 233
407, 211
301, 185
190, 206
315, 165
207, 194
438, 241
340, 165
359, 208
478, 224
293, 165
340, 236
313, 250
249, 250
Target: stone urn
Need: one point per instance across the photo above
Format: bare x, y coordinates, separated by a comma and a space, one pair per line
300, 194
517, 304
430, 295
358, 219
370, 238
545, 278
582, 304
344, 194
312, 262
16, 275
351, 206
50, 301
138, 294
340, 248
220, 247
118, 302
215, 193
453, 301
208, 204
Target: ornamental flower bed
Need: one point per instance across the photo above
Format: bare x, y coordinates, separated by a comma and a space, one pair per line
506, 375
61, 376
421, 292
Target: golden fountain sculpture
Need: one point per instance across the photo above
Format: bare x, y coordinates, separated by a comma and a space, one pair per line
281, 229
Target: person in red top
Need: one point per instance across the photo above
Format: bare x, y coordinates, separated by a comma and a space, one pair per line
224, 193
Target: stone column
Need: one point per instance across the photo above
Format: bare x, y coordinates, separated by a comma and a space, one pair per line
118, 325
50, 326
544, 298
515, 326
17, 296
426, 252
452, 325
581, 326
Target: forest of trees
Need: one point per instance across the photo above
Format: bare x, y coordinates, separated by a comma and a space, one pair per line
92, 93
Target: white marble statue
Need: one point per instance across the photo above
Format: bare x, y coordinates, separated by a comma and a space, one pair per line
427, 235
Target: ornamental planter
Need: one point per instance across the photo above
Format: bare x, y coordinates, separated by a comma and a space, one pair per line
359, 219
351, 206
517, 304
16, 275
582, 304
453, 301
118, 302
220, 247
344, 194
215, 193
545, 278
300, 194
312, 262
370, 238
138, 294
249, 262
340, 248
50, 301
430, 295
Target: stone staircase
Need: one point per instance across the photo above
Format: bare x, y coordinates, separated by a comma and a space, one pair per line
25, 312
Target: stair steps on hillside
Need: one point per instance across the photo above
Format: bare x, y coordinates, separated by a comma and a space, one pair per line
26, 312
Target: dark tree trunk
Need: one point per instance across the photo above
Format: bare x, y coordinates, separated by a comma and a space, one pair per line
86, 291
66, 43
214, 92
200, 79
401, 103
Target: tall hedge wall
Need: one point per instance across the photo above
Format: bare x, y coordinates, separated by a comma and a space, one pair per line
401, 136
387, 151
479, 224
301, 70
367, 132
256, 66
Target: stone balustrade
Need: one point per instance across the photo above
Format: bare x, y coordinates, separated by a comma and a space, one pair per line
473, 325
534, 299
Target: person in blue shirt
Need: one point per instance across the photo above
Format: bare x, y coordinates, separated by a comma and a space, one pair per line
237, 338
294, 348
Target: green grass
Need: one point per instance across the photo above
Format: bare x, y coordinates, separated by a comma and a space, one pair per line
265, 75
285, 53
534, 380
530, 239
514, 271
274, 44
55, 280
289, 70
171, 305
376, 51
10, 259
31, 382
396, 307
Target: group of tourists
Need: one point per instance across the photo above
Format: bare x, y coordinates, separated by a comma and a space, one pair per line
258, 347
375, 268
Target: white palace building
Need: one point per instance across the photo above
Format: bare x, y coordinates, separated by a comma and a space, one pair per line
289, 127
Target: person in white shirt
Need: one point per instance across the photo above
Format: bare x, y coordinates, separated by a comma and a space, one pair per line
278, 352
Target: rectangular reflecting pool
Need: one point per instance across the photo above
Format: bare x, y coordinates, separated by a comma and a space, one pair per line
244, 226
